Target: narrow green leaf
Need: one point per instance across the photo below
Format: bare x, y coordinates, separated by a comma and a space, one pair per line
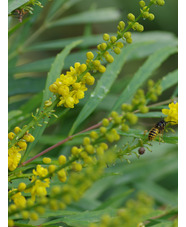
12, 4
14, 113
98, 15
53, 74
150, 115
144, 72
158, 38
169, 80
159, 193
83, 219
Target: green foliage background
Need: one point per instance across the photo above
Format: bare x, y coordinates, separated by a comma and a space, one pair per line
68, 30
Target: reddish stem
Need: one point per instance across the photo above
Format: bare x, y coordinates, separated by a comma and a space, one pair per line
60, 143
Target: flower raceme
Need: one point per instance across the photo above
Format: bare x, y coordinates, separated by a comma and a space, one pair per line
70, 87
14, 155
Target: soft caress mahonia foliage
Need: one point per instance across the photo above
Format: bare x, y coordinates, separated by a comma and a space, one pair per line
76, 172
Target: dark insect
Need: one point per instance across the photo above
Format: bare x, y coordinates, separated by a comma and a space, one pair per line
158, 128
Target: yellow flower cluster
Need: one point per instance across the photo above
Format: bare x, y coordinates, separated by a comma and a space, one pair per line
13, 152
39, 188
172, 113
131, 215
71, 87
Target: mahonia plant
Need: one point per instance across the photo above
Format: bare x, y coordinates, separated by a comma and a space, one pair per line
86, 163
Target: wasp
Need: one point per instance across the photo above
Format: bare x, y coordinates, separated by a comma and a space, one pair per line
158, 128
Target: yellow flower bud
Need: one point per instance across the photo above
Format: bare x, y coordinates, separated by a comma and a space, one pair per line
51, 168
113, 39
11, 135
117, 50
105, 122
21, 187
127, 35
62, 159
103, 46
131, 17
34, 216
151, 16
101, 69
46, 160
142, 4
106, 37
17, 130
90, 55
22, 145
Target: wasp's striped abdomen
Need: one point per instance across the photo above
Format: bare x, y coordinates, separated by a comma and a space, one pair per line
153, 133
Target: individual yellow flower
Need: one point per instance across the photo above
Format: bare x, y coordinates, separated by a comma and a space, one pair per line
19, 200
172, 113
39, 189
40, 171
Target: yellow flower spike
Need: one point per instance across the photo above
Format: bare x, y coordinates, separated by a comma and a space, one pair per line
21, 186
11, 135
172, 113
62, 159
46, 160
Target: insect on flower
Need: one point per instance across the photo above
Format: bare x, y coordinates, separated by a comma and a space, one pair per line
158, 128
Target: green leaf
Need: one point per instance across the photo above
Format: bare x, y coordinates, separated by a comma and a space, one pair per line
13, 4
149, 115
92, 16
83, 219
156, 39
169, 80
144, 72
14, 113
53, 74
159, 193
